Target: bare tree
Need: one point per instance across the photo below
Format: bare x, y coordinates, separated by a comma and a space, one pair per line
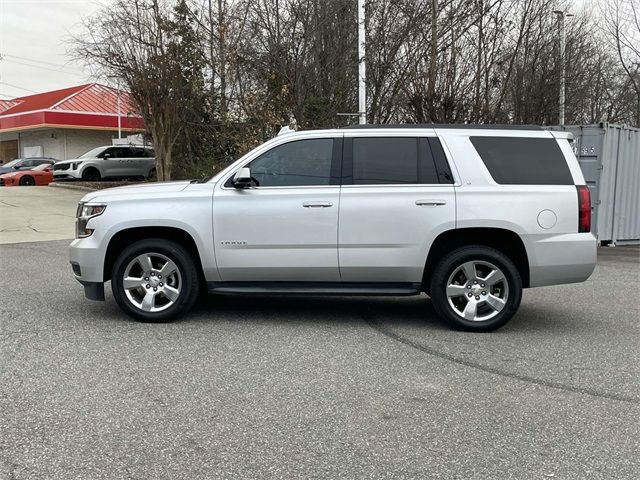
622, 24
152, 50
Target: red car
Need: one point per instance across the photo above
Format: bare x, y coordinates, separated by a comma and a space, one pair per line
40, 175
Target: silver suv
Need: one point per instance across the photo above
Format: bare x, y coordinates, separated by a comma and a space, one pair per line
108, 162
469, 216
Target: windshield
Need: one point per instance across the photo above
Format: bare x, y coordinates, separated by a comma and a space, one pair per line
92, 153
12, 163
41, 167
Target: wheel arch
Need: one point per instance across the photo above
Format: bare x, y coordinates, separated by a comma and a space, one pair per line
506, 241
83, 168
127, 236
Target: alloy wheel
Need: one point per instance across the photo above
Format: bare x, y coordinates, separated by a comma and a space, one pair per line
152, 282
477, 290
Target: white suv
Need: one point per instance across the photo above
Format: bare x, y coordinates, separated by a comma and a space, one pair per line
108, 162
468, 215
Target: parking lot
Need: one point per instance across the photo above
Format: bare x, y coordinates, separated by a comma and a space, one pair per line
32, 214
295, 387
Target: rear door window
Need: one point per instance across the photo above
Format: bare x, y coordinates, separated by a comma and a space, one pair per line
397, 160
523, 161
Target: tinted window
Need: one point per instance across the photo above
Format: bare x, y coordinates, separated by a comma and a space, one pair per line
393, 160
440, 160
523, 161
119, 152
137, 152
385, 160
299, 163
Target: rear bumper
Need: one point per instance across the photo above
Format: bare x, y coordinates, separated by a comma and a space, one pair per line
558, 259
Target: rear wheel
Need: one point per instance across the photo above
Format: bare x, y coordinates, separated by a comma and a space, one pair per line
476, 288
91, 174
152, 174
27, 181
155, 280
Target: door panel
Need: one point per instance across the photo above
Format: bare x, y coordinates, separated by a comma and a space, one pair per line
385, 232
285, 228
118, 164
277, 234
397, 197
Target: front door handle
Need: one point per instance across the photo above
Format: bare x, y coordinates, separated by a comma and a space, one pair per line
317, 204
430, 203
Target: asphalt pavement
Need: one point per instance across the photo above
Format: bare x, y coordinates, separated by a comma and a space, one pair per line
307, 387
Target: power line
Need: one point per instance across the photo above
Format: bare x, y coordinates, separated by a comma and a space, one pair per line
19, 88
78, 72
33, 60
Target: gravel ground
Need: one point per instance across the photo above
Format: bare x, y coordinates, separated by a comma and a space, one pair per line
292, 387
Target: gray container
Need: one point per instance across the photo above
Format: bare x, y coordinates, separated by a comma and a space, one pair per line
609, 157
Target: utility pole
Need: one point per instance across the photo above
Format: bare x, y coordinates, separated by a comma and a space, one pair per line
362, 85
119, 120
563, 41
222, 11
431, 81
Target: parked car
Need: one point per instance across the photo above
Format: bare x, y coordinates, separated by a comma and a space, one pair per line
25, 164
40, 175
469, 216
108, 162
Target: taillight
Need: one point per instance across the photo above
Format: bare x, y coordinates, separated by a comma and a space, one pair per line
584, 208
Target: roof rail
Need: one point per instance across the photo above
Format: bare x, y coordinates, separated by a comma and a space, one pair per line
459, 126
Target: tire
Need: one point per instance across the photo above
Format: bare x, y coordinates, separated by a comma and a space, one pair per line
152, 174
480, 304
167, 305
91, 174
27, 181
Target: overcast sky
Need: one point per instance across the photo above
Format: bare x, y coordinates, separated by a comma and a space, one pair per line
33, 49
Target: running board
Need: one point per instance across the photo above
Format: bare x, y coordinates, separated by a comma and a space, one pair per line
315, 288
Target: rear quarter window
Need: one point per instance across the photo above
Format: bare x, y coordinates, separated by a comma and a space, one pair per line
523, 161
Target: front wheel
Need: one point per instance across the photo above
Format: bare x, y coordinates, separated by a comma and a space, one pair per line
476, 288
91, 174
155, 280
27, 181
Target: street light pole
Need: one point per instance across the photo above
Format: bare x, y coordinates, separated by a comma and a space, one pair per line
362, 91
563, 41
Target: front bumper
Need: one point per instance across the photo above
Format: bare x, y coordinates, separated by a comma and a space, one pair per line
93, 290
66, 175
8, 182
86, 256
558, 259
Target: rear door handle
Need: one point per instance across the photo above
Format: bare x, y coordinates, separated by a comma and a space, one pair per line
430, 203
317, 204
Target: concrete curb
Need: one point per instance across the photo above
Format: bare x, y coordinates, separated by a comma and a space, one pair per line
70, 186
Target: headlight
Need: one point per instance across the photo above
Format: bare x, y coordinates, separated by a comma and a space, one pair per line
84, 213
75, 165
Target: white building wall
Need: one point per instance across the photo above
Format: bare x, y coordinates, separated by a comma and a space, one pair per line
81, 141
48, 139
63, 143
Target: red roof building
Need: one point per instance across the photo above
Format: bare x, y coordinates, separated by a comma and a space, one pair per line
65, 123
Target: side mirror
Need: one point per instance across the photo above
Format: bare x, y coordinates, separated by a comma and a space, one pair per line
242, 178
106, 156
